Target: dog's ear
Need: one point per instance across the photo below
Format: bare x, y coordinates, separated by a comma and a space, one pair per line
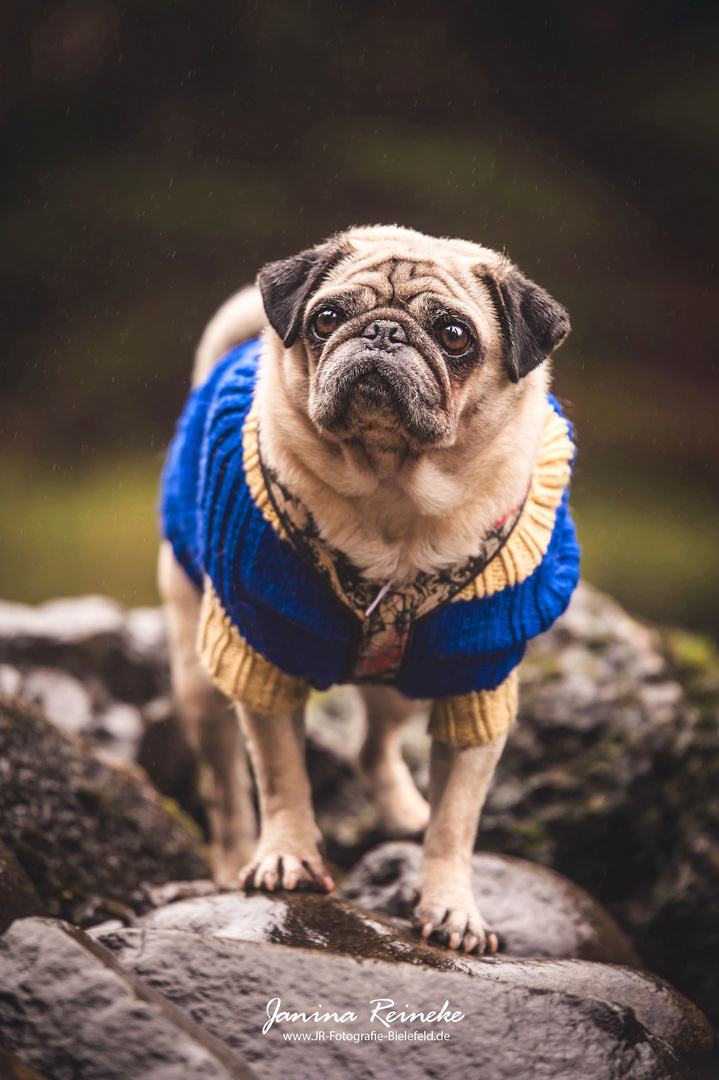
287, 284
533, 324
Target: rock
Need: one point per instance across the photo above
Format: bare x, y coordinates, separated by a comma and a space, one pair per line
90, 636
79, 707
68, 1009
102, 671
535, 912
106, 927
172, 891
10, 680
611, 776
121, 726
90, 834
144, 639
301, 920
308, 921
69, 622
11, 1068
519, 1018
18, 897
62, 698
165, 754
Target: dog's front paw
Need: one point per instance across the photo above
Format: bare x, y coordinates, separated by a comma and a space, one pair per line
446, 910
286, 866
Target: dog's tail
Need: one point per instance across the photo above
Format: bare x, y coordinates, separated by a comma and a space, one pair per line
240, 318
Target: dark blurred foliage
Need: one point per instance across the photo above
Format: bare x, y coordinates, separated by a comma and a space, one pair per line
155, 153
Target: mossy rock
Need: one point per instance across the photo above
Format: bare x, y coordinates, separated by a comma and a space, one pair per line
90, 834
611, 776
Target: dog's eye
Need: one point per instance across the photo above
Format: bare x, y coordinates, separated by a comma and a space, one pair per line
453, 337
326, 322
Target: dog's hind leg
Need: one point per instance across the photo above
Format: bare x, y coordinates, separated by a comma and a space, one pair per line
400, 807
211, 726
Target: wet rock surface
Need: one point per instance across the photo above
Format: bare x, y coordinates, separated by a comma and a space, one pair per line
336, 926
332, 924
90, 834
511, 1009
70, 1010
535, 911
149, 1001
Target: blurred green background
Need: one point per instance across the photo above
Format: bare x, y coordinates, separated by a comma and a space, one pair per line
156, 152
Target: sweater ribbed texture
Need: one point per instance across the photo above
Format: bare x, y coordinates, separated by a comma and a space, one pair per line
475, 719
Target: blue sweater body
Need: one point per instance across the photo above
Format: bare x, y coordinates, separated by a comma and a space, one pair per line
285, 609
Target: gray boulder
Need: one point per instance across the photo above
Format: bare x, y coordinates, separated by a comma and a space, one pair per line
542, 919
70, 1010
162, 1003
90, 637
534, 911
12, 1068
90, 834
518, 1018
611, 776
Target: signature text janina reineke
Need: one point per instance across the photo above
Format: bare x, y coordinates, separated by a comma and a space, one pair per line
383, 1012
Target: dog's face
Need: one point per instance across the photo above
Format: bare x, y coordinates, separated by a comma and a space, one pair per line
394, 335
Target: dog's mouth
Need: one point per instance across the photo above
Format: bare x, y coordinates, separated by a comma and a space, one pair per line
372, 390
358, 390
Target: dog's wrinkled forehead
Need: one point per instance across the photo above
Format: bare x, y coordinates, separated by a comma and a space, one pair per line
380, 280
384, 266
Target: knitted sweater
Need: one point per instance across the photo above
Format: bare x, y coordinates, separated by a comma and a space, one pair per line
283, 612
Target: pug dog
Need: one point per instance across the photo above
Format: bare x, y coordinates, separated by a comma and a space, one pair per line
368, 485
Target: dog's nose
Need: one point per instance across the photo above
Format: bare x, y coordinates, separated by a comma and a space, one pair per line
384, 334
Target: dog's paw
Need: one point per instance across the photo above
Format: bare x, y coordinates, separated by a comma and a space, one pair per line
271, 869
448, 913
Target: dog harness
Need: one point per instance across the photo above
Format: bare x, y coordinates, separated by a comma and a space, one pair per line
283, 612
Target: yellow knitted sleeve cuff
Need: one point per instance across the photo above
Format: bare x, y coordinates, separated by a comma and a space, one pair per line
477, 718
237, 670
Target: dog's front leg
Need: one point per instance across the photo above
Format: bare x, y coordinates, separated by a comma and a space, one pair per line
287, 854
445, 907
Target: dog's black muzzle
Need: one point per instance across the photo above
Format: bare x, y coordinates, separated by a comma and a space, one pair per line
379, 373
